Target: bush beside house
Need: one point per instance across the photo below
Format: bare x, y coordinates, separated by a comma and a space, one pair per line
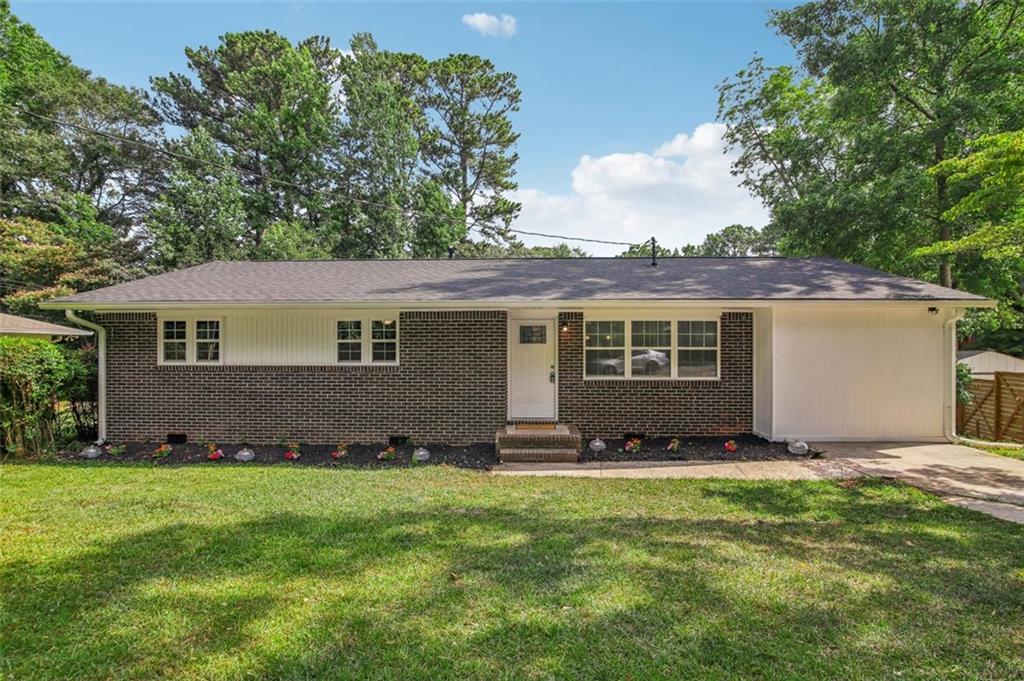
35, 376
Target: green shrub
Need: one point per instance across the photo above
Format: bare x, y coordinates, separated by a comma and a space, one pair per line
964, 378
33, 373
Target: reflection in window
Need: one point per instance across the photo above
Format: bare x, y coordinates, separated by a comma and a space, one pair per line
385, 340
651, 344
174, 341
350, 341
698, 349
207, 341
605, 348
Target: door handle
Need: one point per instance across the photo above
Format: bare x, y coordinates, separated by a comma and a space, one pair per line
551, 377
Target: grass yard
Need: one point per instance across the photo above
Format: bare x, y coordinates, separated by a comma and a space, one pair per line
1012, 452
135, 571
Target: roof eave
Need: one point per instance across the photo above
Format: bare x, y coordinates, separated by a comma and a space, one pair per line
110, 306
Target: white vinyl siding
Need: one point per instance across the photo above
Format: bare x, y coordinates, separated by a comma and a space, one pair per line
257, 337
763, 373
857, 374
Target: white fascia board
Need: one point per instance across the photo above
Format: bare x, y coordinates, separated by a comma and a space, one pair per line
508, 304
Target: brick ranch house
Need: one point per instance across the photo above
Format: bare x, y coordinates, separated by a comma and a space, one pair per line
450, 351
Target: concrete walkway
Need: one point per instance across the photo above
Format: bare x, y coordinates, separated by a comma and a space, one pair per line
962, 475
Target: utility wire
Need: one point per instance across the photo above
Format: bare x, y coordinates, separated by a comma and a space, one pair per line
286, 183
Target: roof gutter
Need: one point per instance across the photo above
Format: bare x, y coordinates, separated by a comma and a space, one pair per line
101, 373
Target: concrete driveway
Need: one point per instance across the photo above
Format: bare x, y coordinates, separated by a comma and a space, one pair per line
962, 475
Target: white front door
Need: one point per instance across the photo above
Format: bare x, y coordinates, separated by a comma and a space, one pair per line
531, 376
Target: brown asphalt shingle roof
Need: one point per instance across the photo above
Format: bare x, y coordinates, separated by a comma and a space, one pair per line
13, 325
520, 279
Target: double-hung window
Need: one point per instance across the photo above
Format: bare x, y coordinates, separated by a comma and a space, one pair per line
207, 340
174, 341
190, 341
605, 353
350, 341
647, 348
698, 349
367, 341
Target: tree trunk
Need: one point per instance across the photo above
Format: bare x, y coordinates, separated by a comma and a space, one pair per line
944, 230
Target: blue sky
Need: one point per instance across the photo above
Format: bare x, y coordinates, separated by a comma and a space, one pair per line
617, 98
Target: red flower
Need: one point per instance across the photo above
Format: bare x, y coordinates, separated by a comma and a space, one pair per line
730, 446
291, 455
215, 455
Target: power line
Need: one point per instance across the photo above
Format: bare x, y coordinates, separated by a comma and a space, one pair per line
286, 183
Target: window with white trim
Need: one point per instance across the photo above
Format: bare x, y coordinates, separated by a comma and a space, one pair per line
207, 340
190, 341
385, 340
350, 341
367, 341
174, 341
605, 353
698, 349
651, 348
656, 349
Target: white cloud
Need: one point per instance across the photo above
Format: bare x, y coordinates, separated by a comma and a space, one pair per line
488, 24
678, 194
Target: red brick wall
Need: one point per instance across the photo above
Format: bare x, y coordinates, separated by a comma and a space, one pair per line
450, 387
609, 408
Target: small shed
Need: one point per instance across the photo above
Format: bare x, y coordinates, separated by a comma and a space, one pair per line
984, 363
12, 325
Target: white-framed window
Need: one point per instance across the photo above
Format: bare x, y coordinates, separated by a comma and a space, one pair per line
174, 341
350, 341
190, 341
656, 347
604, 345
697, 349
207, 341
367, 341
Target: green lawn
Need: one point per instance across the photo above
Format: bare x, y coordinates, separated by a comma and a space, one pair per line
221, 572
1012, 452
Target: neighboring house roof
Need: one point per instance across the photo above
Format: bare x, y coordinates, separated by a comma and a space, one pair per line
988, 361
12, 325
519, 279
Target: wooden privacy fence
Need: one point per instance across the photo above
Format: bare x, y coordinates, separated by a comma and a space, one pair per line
997, 410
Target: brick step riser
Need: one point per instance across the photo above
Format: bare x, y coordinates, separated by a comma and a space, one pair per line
520, 441
538, 455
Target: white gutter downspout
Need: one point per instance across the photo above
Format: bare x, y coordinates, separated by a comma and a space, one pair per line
949, 403
101, 388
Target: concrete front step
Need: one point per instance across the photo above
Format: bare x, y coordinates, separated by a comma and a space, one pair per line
538, 455
560, 444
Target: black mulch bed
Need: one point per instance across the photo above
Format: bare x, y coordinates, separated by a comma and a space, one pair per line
478, 456
748, 448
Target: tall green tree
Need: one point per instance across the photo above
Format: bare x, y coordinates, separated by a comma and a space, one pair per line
41, 260
274, 107
838, 149
730, 241
379, 153
45, 160
469, 145
200, 216
992, 216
